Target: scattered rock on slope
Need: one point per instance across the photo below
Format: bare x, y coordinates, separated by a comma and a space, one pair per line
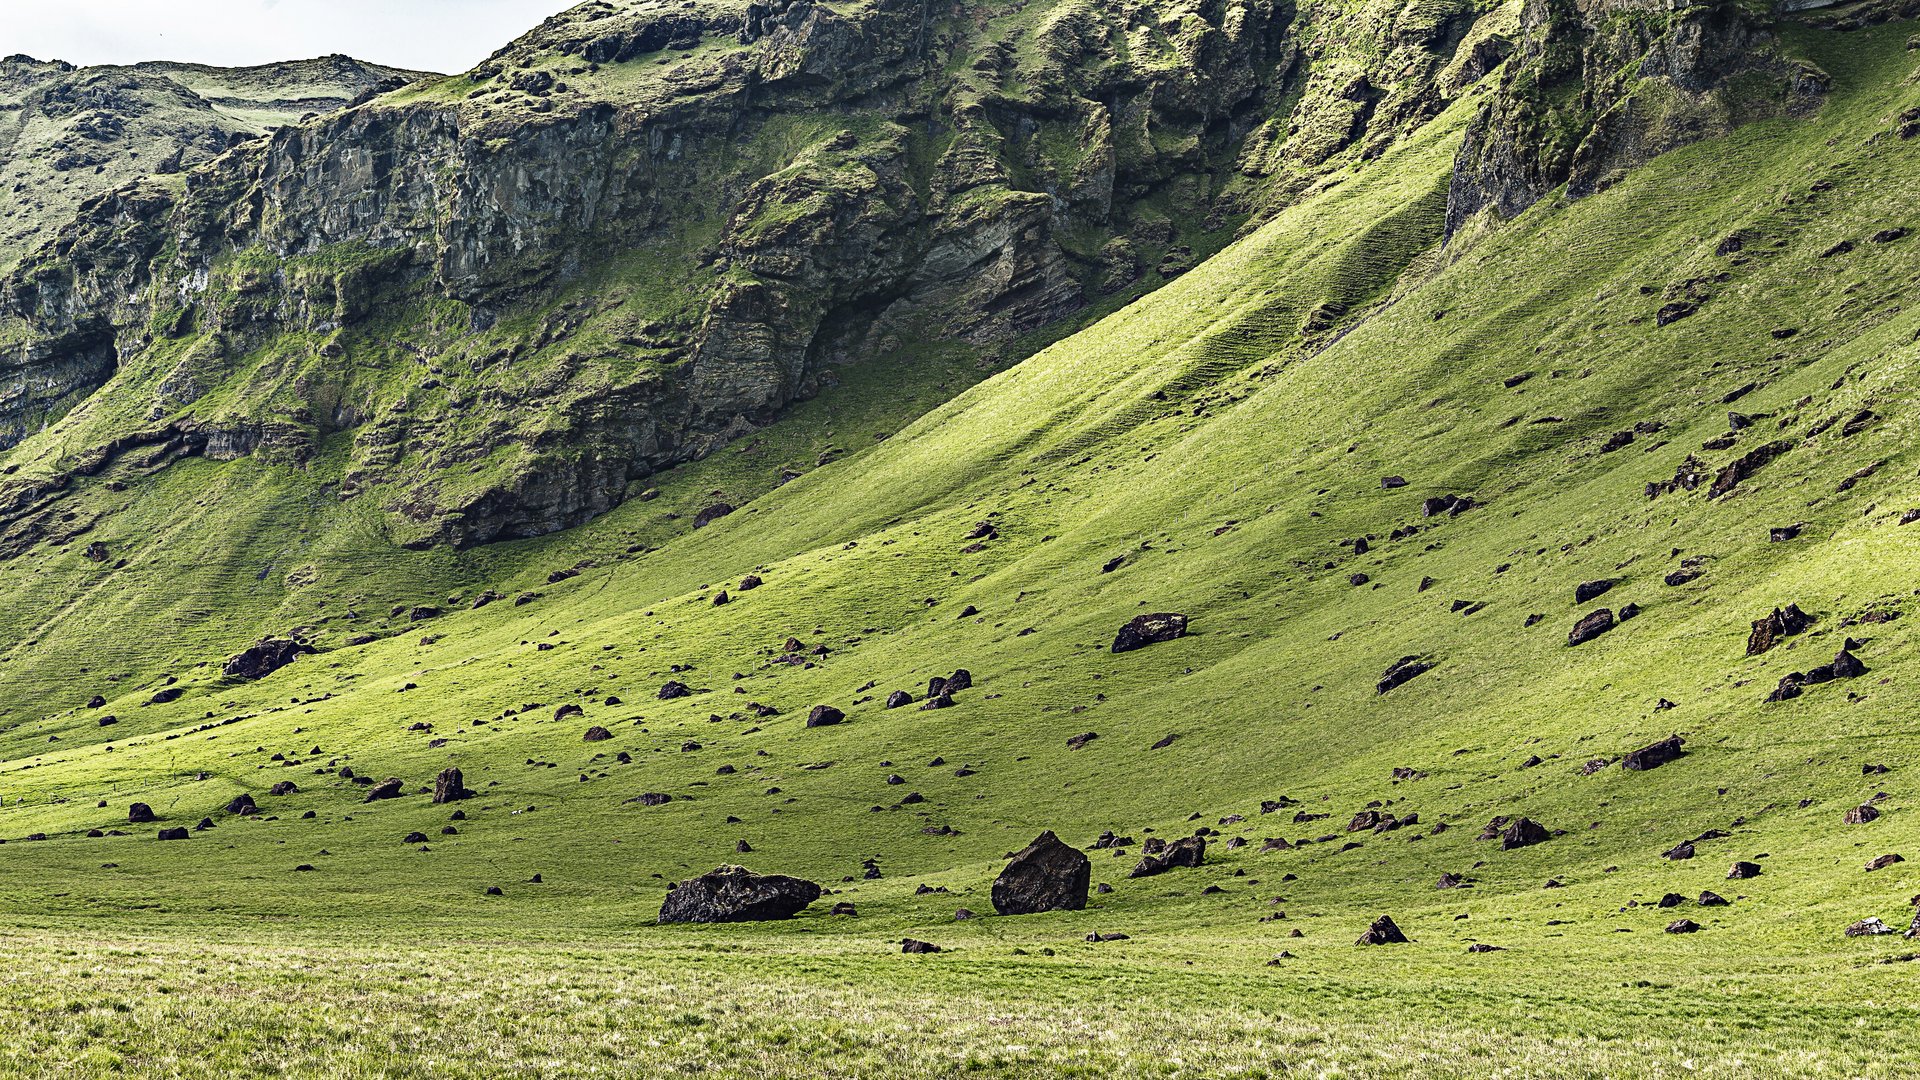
1869, 927
1590, 626
1589, 591
1652, 757
390, 788
1188, 851
264, 658
1769, 631
450, 786
1525, 832
1150, 630
1402, 671
1382, 932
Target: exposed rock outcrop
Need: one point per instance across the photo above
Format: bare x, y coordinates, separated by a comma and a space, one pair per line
1596, 87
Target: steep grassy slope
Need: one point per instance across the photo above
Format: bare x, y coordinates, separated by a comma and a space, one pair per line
1214, 449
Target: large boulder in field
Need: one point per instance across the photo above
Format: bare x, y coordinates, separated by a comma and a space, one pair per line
1150, 630
1048, 875
140, 814
736, 894
825, 716
264, 658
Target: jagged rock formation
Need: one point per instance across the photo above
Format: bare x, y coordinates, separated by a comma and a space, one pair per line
1599, 86
67, 133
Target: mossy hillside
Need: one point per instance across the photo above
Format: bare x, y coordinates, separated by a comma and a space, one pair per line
797, 213
1230, 500
1262, 596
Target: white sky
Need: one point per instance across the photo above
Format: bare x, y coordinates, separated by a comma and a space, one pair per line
434, 35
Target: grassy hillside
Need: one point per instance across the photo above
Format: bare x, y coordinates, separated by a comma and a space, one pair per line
1214, 449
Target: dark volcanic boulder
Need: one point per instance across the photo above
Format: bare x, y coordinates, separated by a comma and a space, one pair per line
1525, 832
1150, 630
1652, 757
284, 787
140, 814
174, 834
1047, 875
596, 733
265, 658
1741, 871
899, 699
1769, 631
1862, 814
736, 894
450, 786
1382, 932
711, 514
1402, 671
243, 805
390, 788
1847, 666
1190, 851
824, 716
675, 689
1590, 626
1588, 591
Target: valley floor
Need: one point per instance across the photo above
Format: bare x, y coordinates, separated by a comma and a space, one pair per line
295, 999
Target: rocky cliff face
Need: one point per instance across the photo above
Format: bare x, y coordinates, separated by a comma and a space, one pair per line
644, 229
1599, 86
68, 134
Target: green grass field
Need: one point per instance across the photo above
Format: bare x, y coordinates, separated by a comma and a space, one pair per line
1226, 457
